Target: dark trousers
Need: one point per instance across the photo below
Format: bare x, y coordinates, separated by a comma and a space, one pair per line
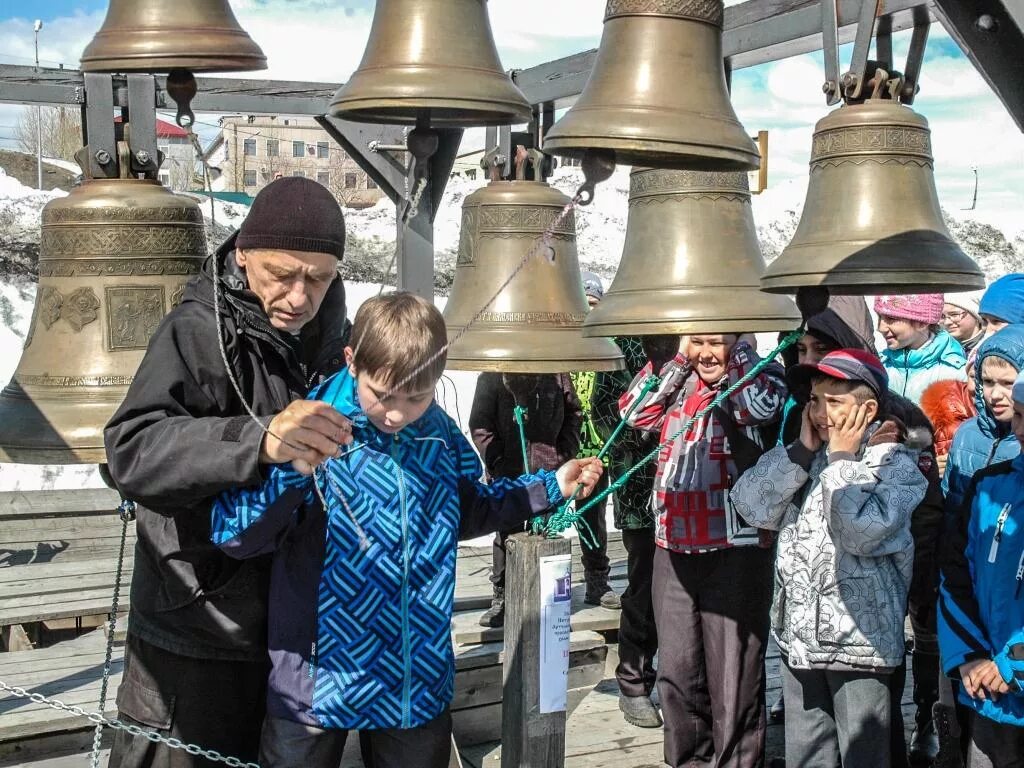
836, 718
995, 745
925, 663
287, 744
638, 635
218, 705
595, 561
897, 739
711, 612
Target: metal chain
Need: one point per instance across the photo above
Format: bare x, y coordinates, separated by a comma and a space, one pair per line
101, 721
126, 511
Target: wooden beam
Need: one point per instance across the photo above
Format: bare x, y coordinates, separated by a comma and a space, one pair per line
530, 738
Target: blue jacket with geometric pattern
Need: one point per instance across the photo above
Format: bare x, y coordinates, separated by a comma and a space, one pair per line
360, 638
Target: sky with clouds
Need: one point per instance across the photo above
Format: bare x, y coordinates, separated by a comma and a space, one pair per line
322, 40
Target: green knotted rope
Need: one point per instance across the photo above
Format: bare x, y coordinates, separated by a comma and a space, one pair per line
518, 414
565, 517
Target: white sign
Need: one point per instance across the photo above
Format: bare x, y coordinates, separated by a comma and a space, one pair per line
555, 609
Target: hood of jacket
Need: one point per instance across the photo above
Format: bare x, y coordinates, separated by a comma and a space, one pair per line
1007, 344
941, 349
844, 324
321, 342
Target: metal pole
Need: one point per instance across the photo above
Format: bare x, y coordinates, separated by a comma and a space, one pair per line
39, 116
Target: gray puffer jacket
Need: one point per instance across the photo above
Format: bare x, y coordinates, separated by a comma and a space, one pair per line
845, 550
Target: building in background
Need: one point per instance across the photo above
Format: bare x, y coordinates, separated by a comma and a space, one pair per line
252, 151
178, 169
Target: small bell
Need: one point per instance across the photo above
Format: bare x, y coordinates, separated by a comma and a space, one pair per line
871, 223
657, 94
533, 325
691, 261
433, 62
160, 36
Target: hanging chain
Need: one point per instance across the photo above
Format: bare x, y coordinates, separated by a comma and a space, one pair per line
134, 730
126, 511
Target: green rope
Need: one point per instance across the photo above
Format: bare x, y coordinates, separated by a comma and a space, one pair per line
562, 519
517, 413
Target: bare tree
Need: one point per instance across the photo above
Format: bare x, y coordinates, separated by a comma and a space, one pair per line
347, 180
61, 131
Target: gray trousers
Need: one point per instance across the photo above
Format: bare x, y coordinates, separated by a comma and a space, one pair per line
836, 718
711, 614
287, 744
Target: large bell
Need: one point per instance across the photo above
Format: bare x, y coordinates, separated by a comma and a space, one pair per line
159, 35
533, 326
435, 60
871, 222
657, 94
691, 261
114, 257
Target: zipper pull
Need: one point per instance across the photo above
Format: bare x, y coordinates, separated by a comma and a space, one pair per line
1020, 575
1000, 522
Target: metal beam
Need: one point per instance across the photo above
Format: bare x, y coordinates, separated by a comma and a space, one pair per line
995, 45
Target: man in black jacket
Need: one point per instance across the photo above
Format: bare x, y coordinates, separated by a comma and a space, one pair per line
196, 660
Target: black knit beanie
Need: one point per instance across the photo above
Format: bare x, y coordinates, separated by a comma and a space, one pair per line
295, 214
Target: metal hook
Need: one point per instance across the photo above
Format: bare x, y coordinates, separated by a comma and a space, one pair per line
181, 86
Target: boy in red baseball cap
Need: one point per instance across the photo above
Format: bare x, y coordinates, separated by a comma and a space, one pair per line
841, 496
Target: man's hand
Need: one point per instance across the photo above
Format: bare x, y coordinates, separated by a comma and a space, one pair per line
982, 680
582, 473
848, 431
808, 432
305, 433
940, 463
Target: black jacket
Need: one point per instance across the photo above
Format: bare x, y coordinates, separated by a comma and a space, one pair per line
182, 436
552, 422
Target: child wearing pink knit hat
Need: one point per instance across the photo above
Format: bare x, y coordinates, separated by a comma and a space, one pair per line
918, 350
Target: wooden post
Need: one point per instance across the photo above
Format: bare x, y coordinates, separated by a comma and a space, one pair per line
529, 738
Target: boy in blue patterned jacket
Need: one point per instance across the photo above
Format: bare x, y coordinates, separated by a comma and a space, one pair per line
361, 593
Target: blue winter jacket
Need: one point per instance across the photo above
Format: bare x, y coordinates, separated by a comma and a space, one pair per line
981, 599
982, 441
360, 639
912, 370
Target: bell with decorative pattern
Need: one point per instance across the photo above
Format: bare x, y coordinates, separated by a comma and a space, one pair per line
871, 223
691, 261
533, 324
114, 258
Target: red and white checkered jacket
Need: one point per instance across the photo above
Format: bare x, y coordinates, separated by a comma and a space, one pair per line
696, 471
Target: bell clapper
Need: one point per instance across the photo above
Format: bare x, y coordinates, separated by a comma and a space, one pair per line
422, 143
598, 165
181, 86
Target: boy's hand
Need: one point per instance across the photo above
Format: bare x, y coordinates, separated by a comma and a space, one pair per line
982, 680
848, 431
940, 463
306, 433
809, 437
579, 472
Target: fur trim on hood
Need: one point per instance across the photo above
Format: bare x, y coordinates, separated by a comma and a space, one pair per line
947, 404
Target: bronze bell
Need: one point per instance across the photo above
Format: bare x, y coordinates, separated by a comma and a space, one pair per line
871, 222
433, 60
657, 94
114, 258
158, 36
533, 326
691, 261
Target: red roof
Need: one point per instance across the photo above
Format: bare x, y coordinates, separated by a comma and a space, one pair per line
167, 130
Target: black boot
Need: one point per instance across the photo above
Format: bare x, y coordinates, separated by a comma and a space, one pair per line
924, 743
599, 592
495, 615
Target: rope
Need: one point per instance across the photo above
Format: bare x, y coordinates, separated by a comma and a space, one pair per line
126, 511
101, 721
518, 413
565, 517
